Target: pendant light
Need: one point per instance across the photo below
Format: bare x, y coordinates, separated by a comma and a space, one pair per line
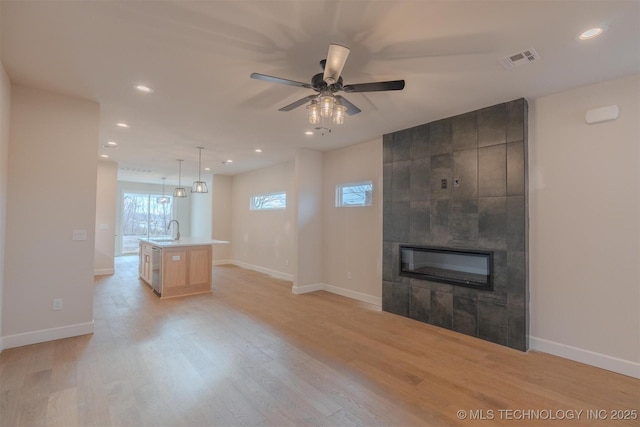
179, 190
199, 186
163, 200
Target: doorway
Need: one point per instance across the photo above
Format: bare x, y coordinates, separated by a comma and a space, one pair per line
144, 215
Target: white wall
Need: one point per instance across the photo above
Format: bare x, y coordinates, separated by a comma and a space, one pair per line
201, 211
53, 153
106, 196
324, 245
353, 236
221, 190
5, 114
307, 255
263, 240
584, 193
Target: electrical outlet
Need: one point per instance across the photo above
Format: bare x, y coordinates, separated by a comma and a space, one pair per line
57, 304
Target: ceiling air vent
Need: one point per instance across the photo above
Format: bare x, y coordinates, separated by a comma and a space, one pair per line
136, 170
527, 56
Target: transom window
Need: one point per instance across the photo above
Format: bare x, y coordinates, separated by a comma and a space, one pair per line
354, 194
267, 201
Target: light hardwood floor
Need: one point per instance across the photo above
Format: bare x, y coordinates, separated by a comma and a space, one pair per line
253, 354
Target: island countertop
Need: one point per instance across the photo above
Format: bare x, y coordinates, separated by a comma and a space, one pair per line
184, 241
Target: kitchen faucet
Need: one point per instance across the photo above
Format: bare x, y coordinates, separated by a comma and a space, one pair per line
178, 224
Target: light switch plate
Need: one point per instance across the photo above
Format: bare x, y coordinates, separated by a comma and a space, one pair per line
79, 235
175, 258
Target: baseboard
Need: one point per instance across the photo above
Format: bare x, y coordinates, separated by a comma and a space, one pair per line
312, 287
305, 289
222, 261
103, 271
603, 361
369, 299
43, 335
268, 271
359, 296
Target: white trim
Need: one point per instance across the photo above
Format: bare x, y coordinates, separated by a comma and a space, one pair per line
268, 271
221, 262
359, 296
103, 271
298, 290
369, 299
603, 361
305, 289
339, 194
43, 335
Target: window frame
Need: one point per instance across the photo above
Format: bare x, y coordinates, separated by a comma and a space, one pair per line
254, 207
339, 203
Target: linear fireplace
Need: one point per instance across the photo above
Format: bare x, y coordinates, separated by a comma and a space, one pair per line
457, 267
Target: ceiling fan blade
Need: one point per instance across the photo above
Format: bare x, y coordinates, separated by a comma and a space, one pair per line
298, 103
279, 80
351, 109
336, 58
375, 87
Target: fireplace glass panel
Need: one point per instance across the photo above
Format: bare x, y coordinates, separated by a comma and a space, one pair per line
464, 268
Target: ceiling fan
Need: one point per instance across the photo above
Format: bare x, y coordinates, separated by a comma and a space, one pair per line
326, 103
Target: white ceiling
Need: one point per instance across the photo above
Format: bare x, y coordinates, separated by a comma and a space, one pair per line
197, 56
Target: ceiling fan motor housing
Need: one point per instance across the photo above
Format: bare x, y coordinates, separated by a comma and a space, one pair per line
318, 84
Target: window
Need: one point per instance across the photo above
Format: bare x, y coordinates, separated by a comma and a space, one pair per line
354, 194
143, 215
267, 201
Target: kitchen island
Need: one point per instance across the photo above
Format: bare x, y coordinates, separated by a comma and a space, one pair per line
177, 267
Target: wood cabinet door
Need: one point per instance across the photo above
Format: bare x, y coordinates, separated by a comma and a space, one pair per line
146, 253
200, 266
174, 269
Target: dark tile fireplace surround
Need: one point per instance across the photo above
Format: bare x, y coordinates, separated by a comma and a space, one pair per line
460, 184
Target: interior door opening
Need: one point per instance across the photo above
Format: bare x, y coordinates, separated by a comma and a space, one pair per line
144, 215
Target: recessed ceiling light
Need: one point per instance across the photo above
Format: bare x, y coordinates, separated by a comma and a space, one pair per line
592, 33
122, 125
229, 161
112, 143
207, 169
257, 150
143, 88
104, 156
308, 132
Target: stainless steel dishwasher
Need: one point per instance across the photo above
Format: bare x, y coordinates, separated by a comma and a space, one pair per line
156, 271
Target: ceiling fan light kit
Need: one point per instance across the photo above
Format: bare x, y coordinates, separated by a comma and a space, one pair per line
338, 113
313, 110
326, 104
